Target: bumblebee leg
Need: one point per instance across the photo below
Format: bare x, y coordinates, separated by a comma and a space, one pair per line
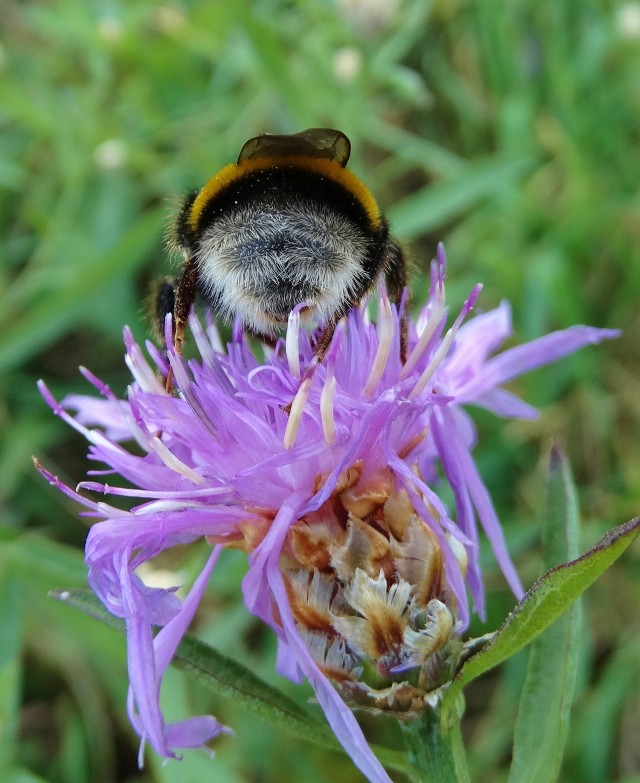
396, 280
185, 295
324, 338
320, 351
159, 303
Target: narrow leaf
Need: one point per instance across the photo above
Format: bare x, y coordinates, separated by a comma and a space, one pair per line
543, 603
10, 667
543, 717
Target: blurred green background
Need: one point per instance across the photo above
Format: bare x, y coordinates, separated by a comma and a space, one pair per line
508, 130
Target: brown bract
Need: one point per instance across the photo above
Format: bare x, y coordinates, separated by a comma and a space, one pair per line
366, 583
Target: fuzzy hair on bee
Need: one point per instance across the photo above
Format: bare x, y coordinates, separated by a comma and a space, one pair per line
285, 225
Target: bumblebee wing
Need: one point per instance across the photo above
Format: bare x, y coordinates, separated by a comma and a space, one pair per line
312, 143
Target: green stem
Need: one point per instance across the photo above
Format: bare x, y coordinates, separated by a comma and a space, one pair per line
435, 748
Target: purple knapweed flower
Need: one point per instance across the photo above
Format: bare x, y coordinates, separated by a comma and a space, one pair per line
326, 476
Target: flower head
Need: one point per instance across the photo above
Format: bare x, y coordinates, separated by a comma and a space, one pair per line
326, 475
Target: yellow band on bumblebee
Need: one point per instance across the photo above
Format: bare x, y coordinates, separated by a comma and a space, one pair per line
328, 168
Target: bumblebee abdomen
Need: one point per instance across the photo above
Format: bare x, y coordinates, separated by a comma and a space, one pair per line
274, 252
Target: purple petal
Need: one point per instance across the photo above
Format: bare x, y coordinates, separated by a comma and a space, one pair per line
339, 716
109, 415
265, 579
459, 455
476, 340
148, 659
111, 542
523, 358
505, 403
55, 482
168, 638
194, 732
254, 585
464, 514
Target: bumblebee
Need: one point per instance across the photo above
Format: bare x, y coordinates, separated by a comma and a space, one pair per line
286, 225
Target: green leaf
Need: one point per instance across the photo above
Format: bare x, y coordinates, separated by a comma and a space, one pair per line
543, 717
229, 678
10, 668
546, 600
561, 520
